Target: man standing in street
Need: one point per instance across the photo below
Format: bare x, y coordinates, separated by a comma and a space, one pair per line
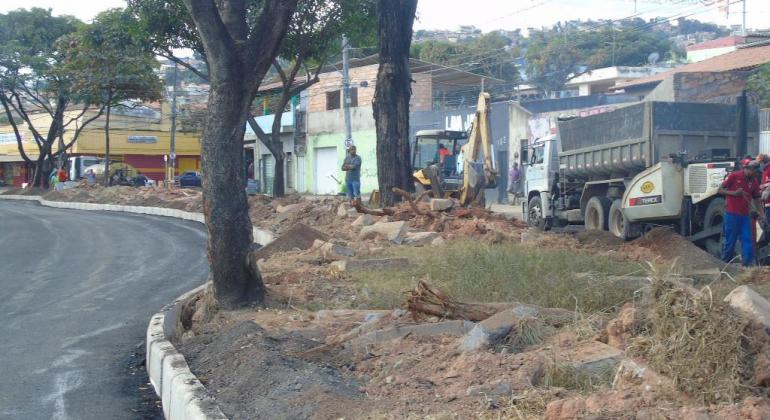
741, 188
352, 168
514, 181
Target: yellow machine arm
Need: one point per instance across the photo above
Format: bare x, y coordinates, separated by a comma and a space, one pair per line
480, 140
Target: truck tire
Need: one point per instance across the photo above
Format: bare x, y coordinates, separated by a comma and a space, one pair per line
715, 214
619, 224
535, 213
597, 213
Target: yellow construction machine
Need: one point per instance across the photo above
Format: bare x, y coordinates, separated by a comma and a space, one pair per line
454, 163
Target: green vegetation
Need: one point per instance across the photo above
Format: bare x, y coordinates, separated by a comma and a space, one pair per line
478, 272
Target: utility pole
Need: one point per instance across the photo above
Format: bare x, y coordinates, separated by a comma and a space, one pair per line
743, 25
172, 151
346, 92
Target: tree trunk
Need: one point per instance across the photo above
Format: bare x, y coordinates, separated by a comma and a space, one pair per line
279, 184
107, 179
391, 97
224, 198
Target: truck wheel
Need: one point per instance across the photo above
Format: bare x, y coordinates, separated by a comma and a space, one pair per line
597, 213
619, 225
535, 214
715, 214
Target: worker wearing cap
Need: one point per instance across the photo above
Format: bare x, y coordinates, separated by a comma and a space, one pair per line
765, 183
740, 188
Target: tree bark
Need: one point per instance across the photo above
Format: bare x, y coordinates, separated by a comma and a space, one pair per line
238, 60
391, 97
224, 199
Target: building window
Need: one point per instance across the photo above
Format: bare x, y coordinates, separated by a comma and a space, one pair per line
333, 100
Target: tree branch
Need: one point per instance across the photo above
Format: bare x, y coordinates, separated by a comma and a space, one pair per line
19, 108
79, 129
36, 99
12, 120
219, 45
167, 54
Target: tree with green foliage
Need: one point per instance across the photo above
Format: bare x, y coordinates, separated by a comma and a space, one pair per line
34, 82
759, 85
555, 55
313, 37
109, 63
241, 39
492, 54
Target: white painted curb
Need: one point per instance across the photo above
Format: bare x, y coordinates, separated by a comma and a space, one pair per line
261, 236
183, 396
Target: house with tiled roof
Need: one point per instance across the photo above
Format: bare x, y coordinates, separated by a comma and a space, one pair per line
717, 79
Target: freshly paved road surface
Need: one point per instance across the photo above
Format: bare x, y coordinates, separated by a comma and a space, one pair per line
77, 289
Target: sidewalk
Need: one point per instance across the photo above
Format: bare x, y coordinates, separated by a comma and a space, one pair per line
508, 210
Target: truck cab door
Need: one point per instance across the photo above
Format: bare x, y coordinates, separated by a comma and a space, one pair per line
537, 170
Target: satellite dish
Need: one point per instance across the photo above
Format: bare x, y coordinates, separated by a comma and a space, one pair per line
653, 58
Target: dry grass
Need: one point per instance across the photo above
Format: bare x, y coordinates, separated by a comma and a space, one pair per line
479, 272
692, 337
566, 376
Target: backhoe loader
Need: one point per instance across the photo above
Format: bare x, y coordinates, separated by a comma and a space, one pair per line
456, 164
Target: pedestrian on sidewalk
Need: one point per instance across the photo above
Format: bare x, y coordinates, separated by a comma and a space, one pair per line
741, 188
352, 168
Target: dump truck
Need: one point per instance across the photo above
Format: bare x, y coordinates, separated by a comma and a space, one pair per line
639, 166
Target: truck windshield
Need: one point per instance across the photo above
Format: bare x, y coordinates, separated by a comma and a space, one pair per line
538, 154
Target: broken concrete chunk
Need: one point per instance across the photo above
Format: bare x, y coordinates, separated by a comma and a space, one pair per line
363, 220
342, 210
289, 208
351, 213
440, 204
438, 241
330, 250
592, 357
393, 231
352, 265
419, 238
497, 388
489, 331
750, 304
455, 327
300, 236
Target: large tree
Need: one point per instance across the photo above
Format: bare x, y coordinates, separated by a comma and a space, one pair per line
391, 97
112, 65
241, 39
34, 83
312, 38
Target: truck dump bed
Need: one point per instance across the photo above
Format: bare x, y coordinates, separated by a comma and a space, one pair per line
628, 140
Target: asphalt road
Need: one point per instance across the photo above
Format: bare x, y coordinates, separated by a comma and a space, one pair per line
77, 289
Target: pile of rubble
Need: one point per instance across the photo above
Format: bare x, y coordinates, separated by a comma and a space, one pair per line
521, 361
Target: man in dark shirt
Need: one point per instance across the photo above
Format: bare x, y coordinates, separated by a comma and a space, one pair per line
352, 168
740, 188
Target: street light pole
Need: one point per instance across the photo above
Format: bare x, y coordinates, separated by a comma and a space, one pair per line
172, 151
346, 92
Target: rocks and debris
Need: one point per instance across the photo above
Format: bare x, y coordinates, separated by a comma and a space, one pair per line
666, 245
749, 303
366, 264
299, 237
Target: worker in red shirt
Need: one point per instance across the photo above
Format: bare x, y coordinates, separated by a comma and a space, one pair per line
740, 188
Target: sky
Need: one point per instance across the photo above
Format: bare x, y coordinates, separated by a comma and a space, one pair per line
498, 14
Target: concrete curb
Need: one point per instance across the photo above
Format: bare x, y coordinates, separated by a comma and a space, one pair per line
261, 236
182, 395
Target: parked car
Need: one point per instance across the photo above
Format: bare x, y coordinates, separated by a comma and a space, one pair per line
189, 179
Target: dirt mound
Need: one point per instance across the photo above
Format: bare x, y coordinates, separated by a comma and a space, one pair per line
664, 245
255, 375
299, 237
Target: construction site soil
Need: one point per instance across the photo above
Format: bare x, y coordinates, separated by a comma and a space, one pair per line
310, 353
